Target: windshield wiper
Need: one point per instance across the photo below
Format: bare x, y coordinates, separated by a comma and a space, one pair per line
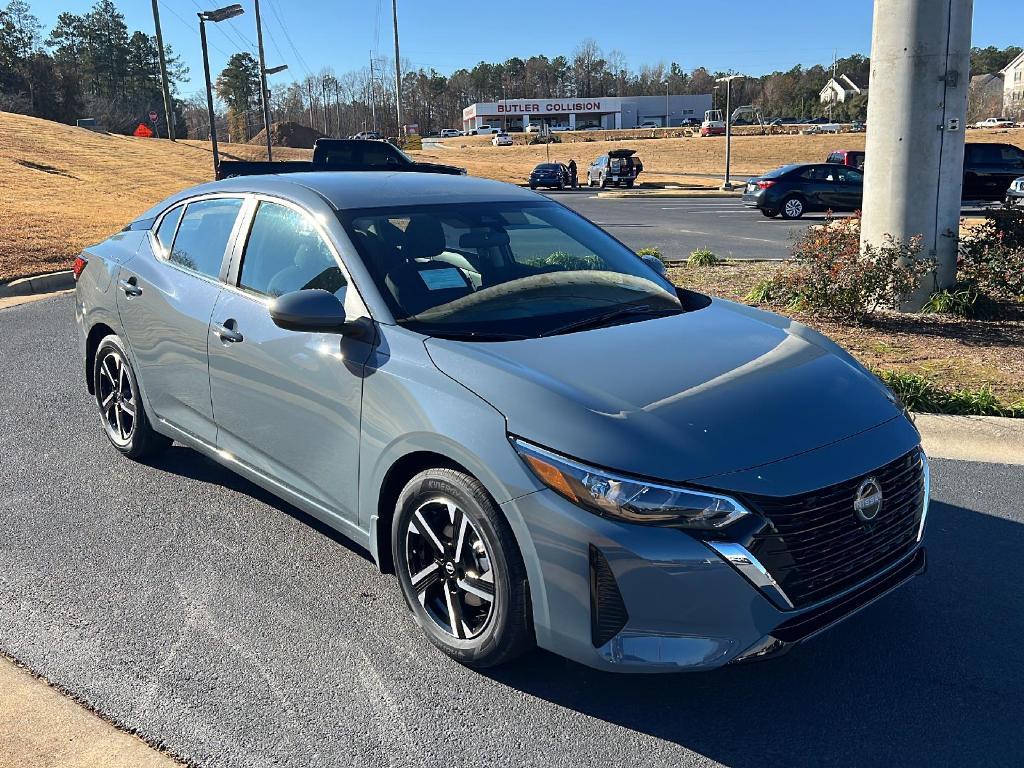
597, 321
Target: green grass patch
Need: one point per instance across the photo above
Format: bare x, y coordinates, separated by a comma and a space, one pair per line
703, 257
919, 393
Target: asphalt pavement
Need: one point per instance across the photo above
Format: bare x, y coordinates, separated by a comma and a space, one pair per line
186, 604
680, 225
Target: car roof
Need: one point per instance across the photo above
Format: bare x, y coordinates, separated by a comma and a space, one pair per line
369, 189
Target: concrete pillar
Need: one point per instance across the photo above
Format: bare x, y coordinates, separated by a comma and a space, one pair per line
572, 121
920, 72
618, 121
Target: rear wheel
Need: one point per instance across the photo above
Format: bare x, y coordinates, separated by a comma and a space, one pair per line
771, 213
460, 569
533, 186
629, 184
121, 410
792, 208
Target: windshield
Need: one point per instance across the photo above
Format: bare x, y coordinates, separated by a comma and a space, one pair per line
503, 270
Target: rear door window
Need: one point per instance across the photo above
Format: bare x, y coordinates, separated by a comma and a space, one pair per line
203, 235
165, 232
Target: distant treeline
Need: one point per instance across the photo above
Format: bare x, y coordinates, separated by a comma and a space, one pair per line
92, 65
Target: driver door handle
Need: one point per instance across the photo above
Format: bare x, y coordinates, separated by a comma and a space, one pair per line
227, 332
130, 287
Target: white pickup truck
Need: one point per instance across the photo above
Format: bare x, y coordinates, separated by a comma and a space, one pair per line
995, 122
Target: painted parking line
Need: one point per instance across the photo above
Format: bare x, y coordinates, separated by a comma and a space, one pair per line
727, 236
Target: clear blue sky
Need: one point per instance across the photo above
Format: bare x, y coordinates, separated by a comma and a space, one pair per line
749, 36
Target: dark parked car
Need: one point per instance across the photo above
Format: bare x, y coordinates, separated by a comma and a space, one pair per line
618, 167
990, 169
549, 175
690, 122
793, 190
851, 157
340, 155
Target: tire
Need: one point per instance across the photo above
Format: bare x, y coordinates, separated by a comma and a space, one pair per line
629, 185
771, 213
793, 207
533, 186
122, 412
481, 618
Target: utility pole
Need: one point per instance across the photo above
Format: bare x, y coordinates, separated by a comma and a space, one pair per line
164, 85
398, 70
312, 123
373, 93
920, 60
264, 92
337, 103
327, 122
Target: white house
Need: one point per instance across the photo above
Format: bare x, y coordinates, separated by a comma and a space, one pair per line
1013, 88
840, 89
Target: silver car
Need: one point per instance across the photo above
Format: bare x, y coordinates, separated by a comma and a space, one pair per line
544, 439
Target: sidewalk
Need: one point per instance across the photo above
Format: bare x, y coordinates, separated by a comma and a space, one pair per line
42, 728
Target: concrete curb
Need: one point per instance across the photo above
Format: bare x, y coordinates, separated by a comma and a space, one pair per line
990, 439
671, 193
48, 283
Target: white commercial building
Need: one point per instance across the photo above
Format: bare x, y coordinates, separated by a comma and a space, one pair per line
578, 113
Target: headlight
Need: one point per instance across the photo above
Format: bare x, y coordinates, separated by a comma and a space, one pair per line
632, 500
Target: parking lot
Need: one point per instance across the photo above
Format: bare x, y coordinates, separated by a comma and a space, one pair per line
677, 226
187, 605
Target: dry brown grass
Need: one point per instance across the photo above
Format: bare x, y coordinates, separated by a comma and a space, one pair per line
62, 188
666, 160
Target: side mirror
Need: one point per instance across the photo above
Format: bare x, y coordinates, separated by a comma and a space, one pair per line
656, 264
311, 310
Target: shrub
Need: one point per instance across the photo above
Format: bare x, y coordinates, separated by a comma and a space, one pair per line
566, 261
992, 255
774, 290
651, 251
832, 275
962, 300
921, 394
702, 257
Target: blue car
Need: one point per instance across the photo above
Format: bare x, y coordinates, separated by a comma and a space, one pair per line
550, 175
542, 438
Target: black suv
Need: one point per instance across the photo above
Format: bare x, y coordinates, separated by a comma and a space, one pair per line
990, 169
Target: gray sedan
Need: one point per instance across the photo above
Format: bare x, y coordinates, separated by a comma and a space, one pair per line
544, 439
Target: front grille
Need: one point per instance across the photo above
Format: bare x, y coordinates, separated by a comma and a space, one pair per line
815, 545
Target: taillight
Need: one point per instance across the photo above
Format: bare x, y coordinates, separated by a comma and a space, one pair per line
765, 184
78, 266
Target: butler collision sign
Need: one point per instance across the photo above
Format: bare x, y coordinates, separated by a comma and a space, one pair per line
603, 111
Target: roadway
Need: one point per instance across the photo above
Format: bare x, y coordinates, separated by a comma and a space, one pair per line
184, 603
679, 225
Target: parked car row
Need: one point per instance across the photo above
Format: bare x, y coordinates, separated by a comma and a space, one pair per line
618, 167
992, 172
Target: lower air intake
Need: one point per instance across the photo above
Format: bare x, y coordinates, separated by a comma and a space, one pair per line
607, 611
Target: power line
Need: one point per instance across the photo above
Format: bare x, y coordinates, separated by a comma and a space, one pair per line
288, 37
195, 28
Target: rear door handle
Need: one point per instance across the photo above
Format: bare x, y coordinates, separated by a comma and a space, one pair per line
130, 287
227, 332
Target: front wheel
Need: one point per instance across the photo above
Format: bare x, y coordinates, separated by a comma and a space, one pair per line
460, 569
792, 208
121, 409
533, 186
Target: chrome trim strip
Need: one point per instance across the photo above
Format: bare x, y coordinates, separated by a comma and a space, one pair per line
740, 558
927, 495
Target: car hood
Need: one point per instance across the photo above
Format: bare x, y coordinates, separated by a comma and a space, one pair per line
713, 391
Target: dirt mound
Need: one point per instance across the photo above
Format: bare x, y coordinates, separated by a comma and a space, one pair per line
289, 134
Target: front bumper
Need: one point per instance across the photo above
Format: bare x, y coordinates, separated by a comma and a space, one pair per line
690, 605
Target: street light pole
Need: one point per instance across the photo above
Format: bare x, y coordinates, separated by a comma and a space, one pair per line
209, 94
264, 92
218, 15
728, 126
